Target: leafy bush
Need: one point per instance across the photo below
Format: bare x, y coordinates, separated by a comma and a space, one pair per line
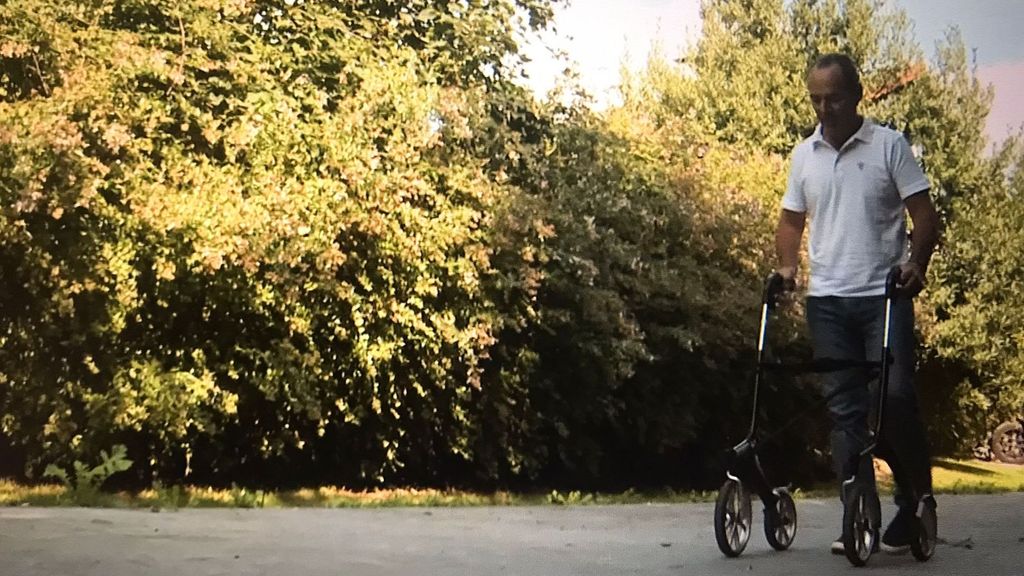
84, 484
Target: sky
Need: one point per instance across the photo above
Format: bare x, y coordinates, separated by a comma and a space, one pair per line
602, 35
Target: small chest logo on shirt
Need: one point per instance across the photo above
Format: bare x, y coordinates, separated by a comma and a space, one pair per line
860, 165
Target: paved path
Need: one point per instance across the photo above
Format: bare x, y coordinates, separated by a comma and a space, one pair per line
979, 535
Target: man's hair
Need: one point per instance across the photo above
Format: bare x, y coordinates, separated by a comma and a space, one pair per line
846, 66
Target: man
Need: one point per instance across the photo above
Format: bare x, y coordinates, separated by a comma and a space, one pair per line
854, 180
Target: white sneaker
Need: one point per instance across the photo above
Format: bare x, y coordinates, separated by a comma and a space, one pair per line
838, 547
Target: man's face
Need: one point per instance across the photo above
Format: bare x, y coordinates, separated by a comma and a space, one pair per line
834, 102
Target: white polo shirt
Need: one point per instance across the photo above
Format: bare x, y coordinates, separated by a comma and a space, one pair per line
853, 198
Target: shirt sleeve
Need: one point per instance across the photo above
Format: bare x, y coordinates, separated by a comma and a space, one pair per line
906, 172
794, 199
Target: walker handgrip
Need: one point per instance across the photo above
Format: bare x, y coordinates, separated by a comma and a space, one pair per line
892, 281
773, 287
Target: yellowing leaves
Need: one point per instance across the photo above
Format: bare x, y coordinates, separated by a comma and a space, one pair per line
116, 136
164, 269
14, 49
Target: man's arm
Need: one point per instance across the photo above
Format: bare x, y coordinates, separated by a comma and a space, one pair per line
787, 242
922, 242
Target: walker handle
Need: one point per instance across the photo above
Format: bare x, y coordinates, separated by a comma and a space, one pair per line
892, 281
774, 286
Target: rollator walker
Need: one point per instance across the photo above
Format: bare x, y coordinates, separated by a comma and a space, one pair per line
862, 509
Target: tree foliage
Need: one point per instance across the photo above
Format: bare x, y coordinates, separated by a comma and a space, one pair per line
977, 320
232, 231
305, 242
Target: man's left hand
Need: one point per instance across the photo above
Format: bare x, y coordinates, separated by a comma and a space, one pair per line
912, 279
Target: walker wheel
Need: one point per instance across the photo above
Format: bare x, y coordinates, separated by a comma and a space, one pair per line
860, 525
732, 518
1008, 442
926, 524
780, 521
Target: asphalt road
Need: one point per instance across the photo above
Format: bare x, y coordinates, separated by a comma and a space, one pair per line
979, 535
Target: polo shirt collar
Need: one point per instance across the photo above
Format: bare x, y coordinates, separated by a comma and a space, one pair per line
864, 133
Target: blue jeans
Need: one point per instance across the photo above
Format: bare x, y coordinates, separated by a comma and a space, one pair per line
852, 329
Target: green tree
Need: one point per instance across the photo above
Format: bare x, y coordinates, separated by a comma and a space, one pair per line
976, 337
735, 96
247, 234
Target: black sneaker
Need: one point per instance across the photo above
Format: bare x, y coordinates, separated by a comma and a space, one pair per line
896, 539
